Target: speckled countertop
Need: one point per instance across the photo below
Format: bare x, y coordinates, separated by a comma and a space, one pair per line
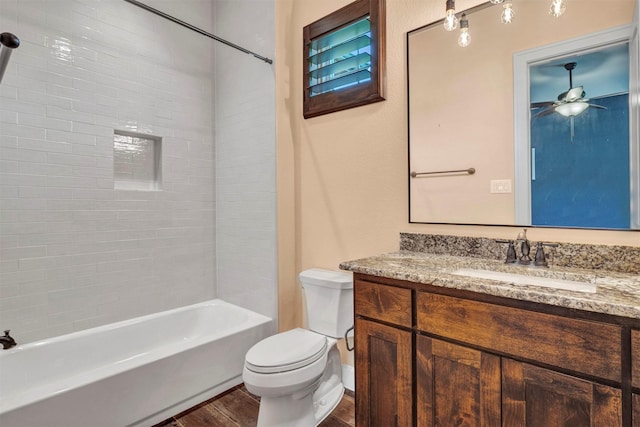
616, 293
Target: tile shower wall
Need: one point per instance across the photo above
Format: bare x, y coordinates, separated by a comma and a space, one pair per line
245, 152
75, 253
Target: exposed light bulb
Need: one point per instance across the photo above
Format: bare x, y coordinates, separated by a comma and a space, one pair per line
464, 38
557, 8
507, 13
450, 20
496, 1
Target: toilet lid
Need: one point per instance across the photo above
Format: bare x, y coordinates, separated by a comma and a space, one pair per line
286, 351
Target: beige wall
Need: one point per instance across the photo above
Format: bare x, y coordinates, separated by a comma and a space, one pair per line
342, 177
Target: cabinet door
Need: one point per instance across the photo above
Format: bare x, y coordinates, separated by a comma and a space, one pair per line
534, 396
456, 385
635, 358
383, 375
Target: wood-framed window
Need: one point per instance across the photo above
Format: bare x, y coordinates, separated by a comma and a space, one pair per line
344, 58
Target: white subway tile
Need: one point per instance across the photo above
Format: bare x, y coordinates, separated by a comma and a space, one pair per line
8, 117
26, 252
93, 194
70, 93
68, 114
28, 192
10, 129
9, 166
71, 137
45, 263
43, 122
36, 75
70, 182
8, 141
41, 98
43, 145
9, 266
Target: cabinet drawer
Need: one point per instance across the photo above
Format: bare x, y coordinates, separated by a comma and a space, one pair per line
588, 347
382, 302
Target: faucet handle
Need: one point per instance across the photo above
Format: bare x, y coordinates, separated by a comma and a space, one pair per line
511, 251
540, 259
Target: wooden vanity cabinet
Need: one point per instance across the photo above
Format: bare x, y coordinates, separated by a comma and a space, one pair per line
480, 363
384, 355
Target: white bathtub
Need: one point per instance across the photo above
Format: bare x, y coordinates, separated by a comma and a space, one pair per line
136, 372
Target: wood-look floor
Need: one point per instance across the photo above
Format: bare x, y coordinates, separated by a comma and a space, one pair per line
239, 408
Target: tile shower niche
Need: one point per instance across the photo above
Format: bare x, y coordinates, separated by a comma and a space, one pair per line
137, 161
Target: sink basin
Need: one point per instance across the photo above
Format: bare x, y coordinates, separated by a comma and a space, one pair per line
522, 279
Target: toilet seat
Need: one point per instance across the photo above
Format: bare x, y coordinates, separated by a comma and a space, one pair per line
286, 351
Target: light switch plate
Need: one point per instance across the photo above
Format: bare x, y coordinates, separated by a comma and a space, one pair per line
500, 186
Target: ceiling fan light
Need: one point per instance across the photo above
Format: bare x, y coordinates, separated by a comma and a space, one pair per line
572, 108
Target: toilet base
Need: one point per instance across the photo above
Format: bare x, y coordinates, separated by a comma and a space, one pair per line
298, 410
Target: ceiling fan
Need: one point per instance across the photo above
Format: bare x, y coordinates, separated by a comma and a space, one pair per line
569, 103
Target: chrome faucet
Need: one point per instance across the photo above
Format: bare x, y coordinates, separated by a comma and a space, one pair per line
7, 340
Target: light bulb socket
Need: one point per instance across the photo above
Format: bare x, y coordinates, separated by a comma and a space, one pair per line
464, 22
451, 5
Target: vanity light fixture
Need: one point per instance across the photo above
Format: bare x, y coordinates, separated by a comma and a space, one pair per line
450, 20
507, 13
557, 8
464, 38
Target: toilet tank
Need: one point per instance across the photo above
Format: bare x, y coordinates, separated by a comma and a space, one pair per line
329, 300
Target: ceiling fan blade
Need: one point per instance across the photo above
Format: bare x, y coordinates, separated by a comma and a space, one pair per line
549, 110
563, 96
541, 104
597, 106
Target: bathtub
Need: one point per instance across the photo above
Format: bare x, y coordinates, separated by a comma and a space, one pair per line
136, 372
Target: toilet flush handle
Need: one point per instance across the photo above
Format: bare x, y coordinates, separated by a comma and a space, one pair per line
346, 339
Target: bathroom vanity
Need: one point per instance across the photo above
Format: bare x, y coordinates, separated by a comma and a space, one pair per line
437, 348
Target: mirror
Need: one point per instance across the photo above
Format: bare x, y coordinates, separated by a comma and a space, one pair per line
477, 109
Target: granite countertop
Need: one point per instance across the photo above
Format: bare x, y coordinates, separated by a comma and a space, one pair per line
616, 293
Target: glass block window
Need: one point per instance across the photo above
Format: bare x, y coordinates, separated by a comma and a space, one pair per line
137, 160
345, 58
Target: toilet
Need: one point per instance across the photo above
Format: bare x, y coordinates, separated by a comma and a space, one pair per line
298, 373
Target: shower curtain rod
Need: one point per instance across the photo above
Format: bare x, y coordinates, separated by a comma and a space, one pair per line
197, 30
